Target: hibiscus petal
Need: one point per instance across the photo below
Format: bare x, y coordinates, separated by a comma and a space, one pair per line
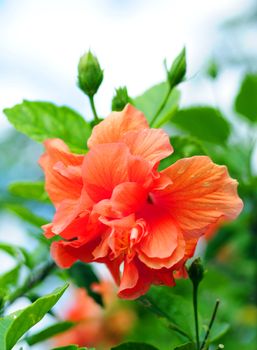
66, 254
62, 256
65, 214
140, 171
135, 281
71, 210
126, 199
176, 258
48, 230
201, 193
164, 277
150, 144
116, 124
162, 235
105, 166
62, 171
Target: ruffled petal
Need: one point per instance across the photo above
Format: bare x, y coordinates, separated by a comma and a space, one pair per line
135, 281
62, 171
116, 124
201, 193
126, 199
105, 167
140, 171
151, 144
71, 216
163, 277
174, 261
65, 254
162, 235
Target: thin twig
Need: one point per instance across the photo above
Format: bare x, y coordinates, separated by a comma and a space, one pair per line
210, 324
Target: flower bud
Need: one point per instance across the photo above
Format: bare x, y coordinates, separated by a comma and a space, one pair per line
196, 272
212, 70
120, 99
90, 74
177, 71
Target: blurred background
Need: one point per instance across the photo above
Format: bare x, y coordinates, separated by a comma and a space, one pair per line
40, 45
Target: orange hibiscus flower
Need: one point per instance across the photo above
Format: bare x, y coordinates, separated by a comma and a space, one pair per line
96, 326
114, 206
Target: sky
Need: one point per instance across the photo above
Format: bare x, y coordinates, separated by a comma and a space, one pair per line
41, 42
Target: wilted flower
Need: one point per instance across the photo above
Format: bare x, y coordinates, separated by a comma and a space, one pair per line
114, 206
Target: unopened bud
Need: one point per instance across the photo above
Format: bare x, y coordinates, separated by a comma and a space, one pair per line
212, 70
177, 71
90, 74
120, 99
196, 272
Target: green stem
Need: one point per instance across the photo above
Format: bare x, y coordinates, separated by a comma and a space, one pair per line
163, 104
35, 277
210, 324
195, 291
92, 104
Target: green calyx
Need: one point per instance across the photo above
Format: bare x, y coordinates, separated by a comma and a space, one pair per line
196, 271
177, 72
120, 99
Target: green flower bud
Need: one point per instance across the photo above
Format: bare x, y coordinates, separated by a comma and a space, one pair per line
90, 74
196, 272
177, 72
212, 70
120, 99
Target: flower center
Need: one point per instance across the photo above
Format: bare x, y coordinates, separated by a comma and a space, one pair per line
150, 198
125, 241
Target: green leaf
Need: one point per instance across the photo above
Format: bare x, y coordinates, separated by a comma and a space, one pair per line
26, 214
8, 282
83, 276
172, 308
177, 71
218, 330
205, 123
187, 346
184, 146
13, 326
134, 346
150, 101
49, 332
29, 190
44, 120
14, 251
18, 253
246, 100
9, 278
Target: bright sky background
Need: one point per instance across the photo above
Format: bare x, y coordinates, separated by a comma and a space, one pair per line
41, 42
